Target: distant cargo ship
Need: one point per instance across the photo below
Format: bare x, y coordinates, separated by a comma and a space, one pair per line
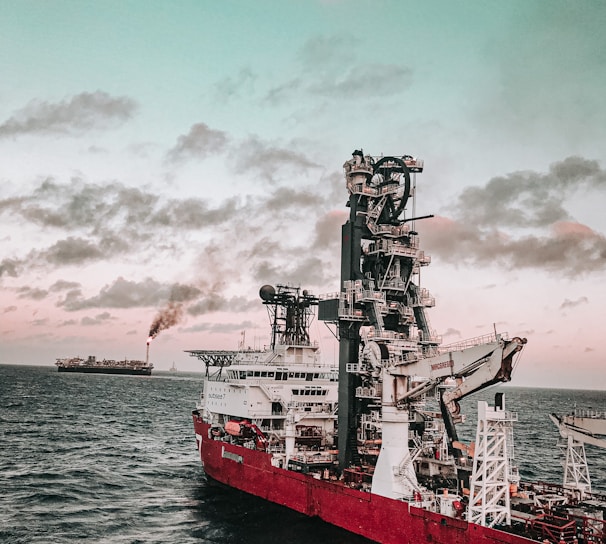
106, 366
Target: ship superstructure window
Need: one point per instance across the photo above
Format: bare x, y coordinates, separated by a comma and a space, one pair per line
243, 374
307, 391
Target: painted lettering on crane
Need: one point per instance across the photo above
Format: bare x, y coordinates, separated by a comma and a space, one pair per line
444, 364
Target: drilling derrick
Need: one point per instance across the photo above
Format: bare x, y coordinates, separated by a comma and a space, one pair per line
381, 306
389, 358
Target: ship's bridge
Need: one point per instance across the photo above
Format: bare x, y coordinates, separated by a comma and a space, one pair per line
255, 373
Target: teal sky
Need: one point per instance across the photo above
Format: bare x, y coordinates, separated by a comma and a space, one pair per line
196, 147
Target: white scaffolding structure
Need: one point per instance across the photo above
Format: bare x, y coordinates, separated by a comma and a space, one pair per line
576, 471
489, 498
578, 429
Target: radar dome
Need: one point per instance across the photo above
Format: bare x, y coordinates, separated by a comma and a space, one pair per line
267, 292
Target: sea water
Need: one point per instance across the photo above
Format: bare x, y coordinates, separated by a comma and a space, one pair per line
103, 458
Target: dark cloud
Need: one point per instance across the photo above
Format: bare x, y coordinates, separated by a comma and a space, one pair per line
193, 213
284, 198
529, 199
33, 293
63, 285
10, 267
79, 113
523, 202
105, 220
71, 251
569, 248
200, 142
129, 294
573, 303
99, 319
97, 207
9, 309
304, 271
215, 302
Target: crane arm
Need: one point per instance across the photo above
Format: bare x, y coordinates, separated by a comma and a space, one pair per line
474, 368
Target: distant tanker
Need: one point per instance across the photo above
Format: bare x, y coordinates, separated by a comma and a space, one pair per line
105, 366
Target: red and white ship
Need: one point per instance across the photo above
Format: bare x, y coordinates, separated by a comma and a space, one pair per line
371, 445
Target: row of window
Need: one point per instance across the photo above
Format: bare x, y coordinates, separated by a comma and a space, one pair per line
310, 391
307, 376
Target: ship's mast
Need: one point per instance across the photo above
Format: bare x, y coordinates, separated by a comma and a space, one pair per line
290, 314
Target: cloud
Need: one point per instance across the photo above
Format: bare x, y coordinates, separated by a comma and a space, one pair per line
573, 303
32, 293
239, 86
328, 229
9, 309
519, 221
286, 197
200, 142
71, 251
304, 271
96, 208
529, 199
10, 267
40, 322
77, 114
265, 159
328, 67
569, 248
63, 285
99, 319
221, 328
193, 213
68, 323
104, 221
123, 293
215, 302
365, 81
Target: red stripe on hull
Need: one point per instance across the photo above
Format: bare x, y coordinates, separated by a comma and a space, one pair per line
378, 518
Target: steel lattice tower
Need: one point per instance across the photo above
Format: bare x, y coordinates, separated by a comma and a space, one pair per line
489, 502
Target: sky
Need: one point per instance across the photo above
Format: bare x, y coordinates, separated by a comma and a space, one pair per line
179, 155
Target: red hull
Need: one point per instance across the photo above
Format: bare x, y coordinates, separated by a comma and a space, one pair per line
377, 518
